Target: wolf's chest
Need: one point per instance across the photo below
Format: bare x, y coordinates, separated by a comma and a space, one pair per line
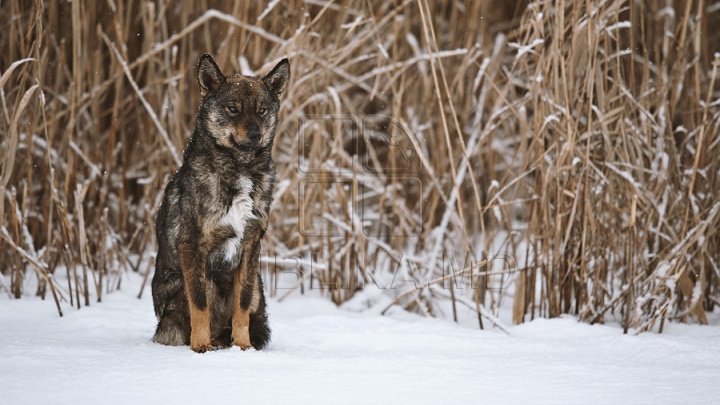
237, 216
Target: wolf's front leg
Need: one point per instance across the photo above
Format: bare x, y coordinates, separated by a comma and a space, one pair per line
196, 289
241, 325
244, 295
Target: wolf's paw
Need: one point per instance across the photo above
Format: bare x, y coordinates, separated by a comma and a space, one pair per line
203, 348
201, 343
170, 337
244, 347
243, 344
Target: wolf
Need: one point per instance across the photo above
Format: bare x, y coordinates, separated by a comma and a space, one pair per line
207, 289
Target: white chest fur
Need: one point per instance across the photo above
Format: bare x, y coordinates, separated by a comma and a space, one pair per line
237, 216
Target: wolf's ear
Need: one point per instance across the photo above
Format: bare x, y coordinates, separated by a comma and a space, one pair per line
277, 79
209, 75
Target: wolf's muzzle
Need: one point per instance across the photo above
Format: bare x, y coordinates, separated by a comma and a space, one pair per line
253, 134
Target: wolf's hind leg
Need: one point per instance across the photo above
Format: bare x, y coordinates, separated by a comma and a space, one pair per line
170, 308
174, 326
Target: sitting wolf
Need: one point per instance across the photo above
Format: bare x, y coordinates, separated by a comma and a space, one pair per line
207, 290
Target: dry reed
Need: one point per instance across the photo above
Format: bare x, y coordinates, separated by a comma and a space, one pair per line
575, 142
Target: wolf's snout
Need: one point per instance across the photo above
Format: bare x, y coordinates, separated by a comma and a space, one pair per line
253, 133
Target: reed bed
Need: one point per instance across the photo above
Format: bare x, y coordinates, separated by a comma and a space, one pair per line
546, 157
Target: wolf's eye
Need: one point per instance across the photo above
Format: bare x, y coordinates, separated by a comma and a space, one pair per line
262, 111
232, 109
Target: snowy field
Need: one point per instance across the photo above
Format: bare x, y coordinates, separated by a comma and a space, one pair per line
321, 354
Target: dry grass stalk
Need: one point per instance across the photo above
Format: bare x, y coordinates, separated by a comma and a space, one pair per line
572, 140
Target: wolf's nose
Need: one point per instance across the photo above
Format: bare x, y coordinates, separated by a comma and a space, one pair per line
253, 133
254, 136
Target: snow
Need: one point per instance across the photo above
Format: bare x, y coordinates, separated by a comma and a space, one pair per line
268, 9
523, 49
619, 25
322, 355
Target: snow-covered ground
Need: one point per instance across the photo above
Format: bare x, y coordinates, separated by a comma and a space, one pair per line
321, 354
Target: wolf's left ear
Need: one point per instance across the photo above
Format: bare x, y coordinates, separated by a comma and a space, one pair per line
277, 79
209, 75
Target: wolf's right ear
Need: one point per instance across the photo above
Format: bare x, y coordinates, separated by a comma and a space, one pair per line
209, 75
277, 79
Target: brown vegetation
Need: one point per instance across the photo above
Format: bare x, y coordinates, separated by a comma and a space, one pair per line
578, 137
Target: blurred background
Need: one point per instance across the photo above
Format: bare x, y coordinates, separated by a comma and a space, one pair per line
516, 159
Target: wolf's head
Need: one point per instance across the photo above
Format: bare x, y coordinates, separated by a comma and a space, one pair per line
240, 112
